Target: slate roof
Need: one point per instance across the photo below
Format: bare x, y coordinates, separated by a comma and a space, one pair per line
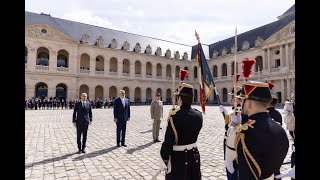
264, 32
75, 30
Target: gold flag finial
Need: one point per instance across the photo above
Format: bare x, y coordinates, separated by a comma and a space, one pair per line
197, 36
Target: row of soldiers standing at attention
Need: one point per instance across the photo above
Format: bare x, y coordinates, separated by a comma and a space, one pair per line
255, 143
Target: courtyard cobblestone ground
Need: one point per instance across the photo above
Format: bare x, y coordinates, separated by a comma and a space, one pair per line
50, 146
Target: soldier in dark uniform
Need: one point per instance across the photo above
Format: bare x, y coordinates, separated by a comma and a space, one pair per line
179, 153
261, 143
273, 113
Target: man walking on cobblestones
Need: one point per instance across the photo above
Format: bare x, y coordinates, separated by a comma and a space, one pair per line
82, 117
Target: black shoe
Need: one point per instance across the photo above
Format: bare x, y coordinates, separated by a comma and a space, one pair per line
160, 127
79, 152
118, 145
157, 140
123, 145
83, 151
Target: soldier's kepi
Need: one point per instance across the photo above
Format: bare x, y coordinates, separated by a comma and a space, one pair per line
261, 143
179, 153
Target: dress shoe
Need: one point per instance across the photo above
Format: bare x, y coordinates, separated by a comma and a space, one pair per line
79, 152
83, 151
118, 145
157, 140
123, 145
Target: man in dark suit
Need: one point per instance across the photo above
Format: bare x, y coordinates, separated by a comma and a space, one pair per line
121, 112
82, 117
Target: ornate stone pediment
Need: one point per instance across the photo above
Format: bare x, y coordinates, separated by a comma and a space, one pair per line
185, 56
245, 45
285, 34
215, 54
158, 51
114, 44
45, 31
224, 52
168, 53
258, 42
100, 42
126, 46
177, 55
148, 50
137, 48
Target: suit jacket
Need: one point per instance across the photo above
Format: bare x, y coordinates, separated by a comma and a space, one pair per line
156, 110
119, 112
82, 115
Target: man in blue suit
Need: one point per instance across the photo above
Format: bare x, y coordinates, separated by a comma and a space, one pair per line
82, 117
121, 112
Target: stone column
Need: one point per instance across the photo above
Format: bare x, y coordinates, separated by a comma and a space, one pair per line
53, 56
283, 95
143, 94
163, 71
30, 92
120, 67
105, 93
288, 87
91, 94
93, 66
132, 68
265, 60
143, 70
32, 59
51, 91
282, 60
287, 55
269, 59
106, 67
154, 70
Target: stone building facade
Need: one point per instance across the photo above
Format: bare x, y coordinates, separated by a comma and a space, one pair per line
66, 58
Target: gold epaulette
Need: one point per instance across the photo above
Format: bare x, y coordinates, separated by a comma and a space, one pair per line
241, 136
171, 113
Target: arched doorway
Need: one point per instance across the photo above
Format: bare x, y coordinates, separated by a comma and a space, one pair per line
137, 95
126, 89
258, 64
148, 95
113, 65
112, 92
168, 95
61, 90
215, 71
62, 59
177, 71
41, 90
160, 92
149, 69
98, 92
159, 70
224, 69
126, 66
99, 63
224, 95
168, 71
84, 89
85, 62
43, 56
195, 95
137, 67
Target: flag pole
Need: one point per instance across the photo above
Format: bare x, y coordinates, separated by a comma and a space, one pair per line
235, 72
173, 81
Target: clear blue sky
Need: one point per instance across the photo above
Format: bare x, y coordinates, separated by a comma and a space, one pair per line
173, 20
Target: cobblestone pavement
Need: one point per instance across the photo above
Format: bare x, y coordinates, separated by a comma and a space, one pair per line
50, 146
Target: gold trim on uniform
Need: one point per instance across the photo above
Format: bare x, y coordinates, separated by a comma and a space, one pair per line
173, 112
257, 84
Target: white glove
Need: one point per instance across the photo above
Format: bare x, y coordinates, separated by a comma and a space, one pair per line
291, 173
229, 165
236, 120
162, 166
222, 109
